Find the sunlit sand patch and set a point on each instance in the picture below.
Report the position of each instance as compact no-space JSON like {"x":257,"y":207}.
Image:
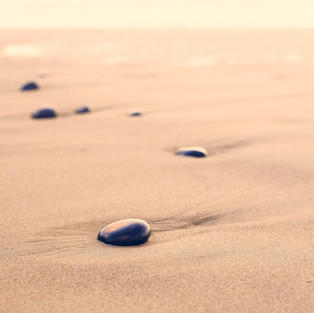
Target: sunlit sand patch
{"x":218,"y":59}
{"x":109,"y":53}
{"x":269,"y":58}
{"x":249,"y":60}
{"x":100,"y":51}
{"x":117,"y":61}
{"x":292,"y":58}
{"x":231,"y":62}
{"x":99,"y":48}
{"x":202,"y":62}
{"x":27,"y":50}
{"x":36,"y":49}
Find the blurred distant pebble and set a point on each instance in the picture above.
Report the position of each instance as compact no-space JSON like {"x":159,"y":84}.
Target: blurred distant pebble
{"x":197,"y":152}
{"x":128,"y":232}
{"x":44,"y":113}
{"x":29,"y":86}
{"x":135,"y":112}
{"x":42,"y":73}
{"x":82,"y":110}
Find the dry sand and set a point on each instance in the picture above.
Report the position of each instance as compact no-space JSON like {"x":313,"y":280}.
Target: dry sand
{"x":230,"y":233}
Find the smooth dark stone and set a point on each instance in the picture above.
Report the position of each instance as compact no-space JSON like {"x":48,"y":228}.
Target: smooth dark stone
{"x":129,"y":232}
{"x":82,"y":110}
{"x":44,"y":113}
{"x":197,"y":152}
{"x":29,"y":86}
{"x":135,"y":113}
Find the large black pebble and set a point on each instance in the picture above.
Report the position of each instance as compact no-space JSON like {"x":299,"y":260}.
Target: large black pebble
{"x":29,"y":86}
{"x":197,"y":152}
{"x":82,"y":110}
{"x":44,"y":113}
{"x":129,"y":232}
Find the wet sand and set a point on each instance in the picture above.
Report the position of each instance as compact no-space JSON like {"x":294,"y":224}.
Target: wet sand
{"x":232,"y":232}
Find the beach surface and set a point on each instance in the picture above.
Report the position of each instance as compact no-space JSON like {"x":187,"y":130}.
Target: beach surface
{"x":232,"y":232}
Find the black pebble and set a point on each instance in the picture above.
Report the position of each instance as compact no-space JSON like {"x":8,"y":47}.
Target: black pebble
{"x":82,"y":110}
{"x":44,"y":113}
{"x":197,"y":152}
{"x":29,"y":86}
{"x":135,"y":113}
{"x":129,"y":232}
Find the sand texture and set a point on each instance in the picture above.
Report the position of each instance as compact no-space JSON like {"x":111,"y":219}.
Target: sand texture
{"x":232,"y":232}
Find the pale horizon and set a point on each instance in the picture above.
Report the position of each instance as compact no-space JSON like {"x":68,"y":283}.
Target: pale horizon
{"x":156,"y":14}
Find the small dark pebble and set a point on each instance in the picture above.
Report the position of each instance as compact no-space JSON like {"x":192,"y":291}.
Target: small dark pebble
{"x":82,"y":110}
{"x":129,"y":232}
{"x":29,"y":86}
{"x":197,"y":152}
{"x":135,"y":113}
{"x":44,"y":113}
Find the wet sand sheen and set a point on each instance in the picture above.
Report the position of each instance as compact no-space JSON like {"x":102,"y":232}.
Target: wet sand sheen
{"x":231,"y":232}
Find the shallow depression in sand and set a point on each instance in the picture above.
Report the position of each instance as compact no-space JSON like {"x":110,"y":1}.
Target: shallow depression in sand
{"x":81,"y":238}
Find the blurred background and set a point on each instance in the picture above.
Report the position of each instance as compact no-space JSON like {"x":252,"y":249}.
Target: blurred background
{"x":188,"y":33}
{"x":156,"y":13}
{"x":151,"y":36}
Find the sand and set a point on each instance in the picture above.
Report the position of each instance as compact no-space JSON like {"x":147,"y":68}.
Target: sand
{"x":232,"y":232}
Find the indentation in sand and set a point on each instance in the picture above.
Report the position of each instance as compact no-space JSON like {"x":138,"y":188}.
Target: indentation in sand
{"x":221,"y":146}
{"x":78,"y":237}
{"x":187,"y":222}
